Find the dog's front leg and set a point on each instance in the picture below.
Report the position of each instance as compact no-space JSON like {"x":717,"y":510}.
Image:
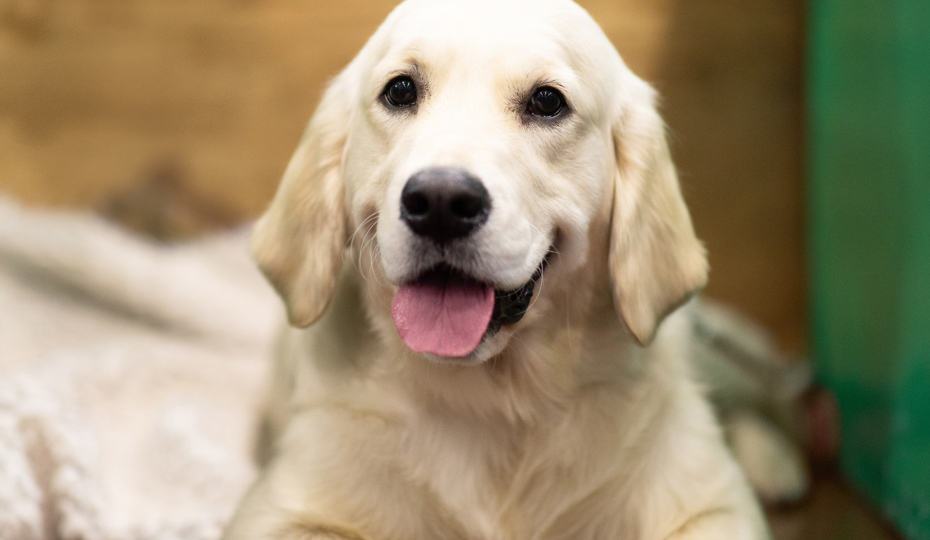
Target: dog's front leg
{"x":722,"y":524}
{"x":312,"y":529}
{"x":263,"y":516}
{"x":302,"y":529}
{"x":280,"y":507}
{"x":335,"y":476}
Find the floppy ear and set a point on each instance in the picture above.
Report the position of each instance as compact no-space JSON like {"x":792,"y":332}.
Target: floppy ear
{"x":299,"y":242}
{"x":656,"y":262}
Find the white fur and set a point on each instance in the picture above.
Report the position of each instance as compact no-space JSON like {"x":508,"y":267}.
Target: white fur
{"x":582,"y":421}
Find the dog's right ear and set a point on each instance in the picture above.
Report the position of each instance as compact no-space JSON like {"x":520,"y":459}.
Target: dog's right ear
{"x":299,"y":242}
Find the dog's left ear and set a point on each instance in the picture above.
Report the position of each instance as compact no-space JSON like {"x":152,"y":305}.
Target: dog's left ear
{"x":300,"y":240}
{"x":656,"y":261}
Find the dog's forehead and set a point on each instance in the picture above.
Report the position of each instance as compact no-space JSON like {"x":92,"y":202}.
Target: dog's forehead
{"x":552,"y":29}
{"x":490,"y":12}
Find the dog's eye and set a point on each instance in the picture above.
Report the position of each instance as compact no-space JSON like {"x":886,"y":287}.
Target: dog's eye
{"x":546,"y":101}
{"x":401,"y":92}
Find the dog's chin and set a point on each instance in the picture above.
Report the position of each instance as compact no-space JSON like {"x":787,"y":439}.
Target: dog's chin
{"x":492,"y":344}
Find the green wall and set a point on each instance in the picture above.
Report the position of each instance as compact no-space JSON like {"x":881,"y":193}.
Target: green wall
{"x":869,"y":197}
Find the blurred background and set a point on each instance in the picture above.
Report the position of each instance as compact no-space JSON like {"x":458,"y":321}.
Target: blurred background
{"x":799,"y":129}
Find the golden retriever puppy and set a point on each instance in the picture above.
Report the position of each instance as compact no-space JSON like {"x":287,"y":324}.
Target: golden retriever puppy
{"x":485,"y":230}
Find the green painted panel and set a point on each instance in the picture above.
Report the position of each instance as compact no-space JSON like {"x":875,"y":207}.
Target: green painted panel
{"x":869,"y":201}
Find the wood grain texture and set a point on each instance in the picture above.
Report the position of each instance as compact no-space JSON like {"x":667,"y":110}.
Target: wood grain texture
{"x":99,"y":96}
{"x":730,"y":75}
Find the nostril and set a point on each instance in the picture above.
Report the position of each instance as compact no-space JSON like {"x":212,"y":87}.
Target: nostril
{"x":467,"y":206}
{"x":416,"y":204}
{"x":443,"y":204}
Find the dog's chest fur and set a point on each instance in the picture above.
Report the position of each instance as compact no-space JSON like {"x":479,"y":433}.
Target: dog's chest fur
{"x":561,"y":474}
{"x":498,"y":481}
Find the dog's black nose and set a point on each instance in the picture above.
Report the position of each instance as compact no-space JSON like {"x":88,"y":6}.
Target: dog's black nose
{"x":444,"y":203}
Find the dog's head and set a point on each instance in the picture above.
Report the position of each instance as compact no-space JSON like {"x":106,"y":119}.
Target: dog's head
{"x":469,"y":149}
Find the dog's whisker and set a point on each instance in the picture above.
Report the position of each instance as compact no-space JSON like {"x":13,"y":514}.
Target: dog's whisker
{"x":370,"y":219}
{"x":366,"y":253}
{"x":542,"y":282}
{"x":369,"y":222}
{"x":371,"y":250}
{"x":375,"y":254}
{"x":366,"y":250}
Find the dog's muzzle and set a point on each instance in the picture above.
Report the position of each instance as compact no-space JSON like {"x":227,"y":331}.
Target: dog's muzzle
{"x":444,"y":311}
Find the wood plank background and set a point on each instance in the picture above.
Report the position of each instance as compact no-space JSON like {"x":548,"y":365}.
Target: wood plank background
{"x":97,"y":96}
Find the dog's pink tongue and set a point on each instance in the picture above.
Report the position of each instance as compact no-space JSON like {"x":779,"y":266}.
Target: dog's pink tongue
{"x":444,"y":317}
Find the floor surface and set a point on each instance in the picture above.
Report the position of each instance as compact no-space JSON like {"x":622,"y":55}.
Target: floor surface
{"x":833,"y":511}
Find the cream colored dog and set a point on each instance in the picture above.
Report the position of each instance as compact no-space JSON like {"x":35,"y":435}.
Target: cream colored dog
{"x":484,"y":227}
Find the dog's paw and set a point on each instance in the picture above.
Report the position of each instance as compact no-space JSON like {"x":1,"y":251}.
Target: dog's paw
{"x":773,"y":463}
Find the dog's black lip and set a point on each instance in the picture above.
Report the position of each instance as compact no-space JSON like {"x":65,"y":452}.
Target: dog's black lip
{"x":511,"y":306}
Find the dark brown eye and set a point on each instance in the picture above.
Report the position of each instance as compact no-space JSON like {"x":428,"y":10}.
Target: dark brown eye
{"x":401,"y":92}
{"x":546,"y":101}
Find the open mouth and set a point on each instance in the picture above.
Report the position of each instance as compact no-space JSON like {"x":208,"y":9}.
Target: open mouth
{"x":447,"y":313}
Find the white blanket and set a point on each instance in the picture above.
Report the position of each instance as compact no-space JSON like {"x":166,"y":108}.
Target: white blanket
{"x":129,"y":377}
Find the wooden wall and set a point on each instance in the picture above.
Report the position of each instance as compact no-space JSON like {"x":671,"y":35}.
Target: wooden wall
{"x":98,"y":96}
{"x":730,"y":72}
